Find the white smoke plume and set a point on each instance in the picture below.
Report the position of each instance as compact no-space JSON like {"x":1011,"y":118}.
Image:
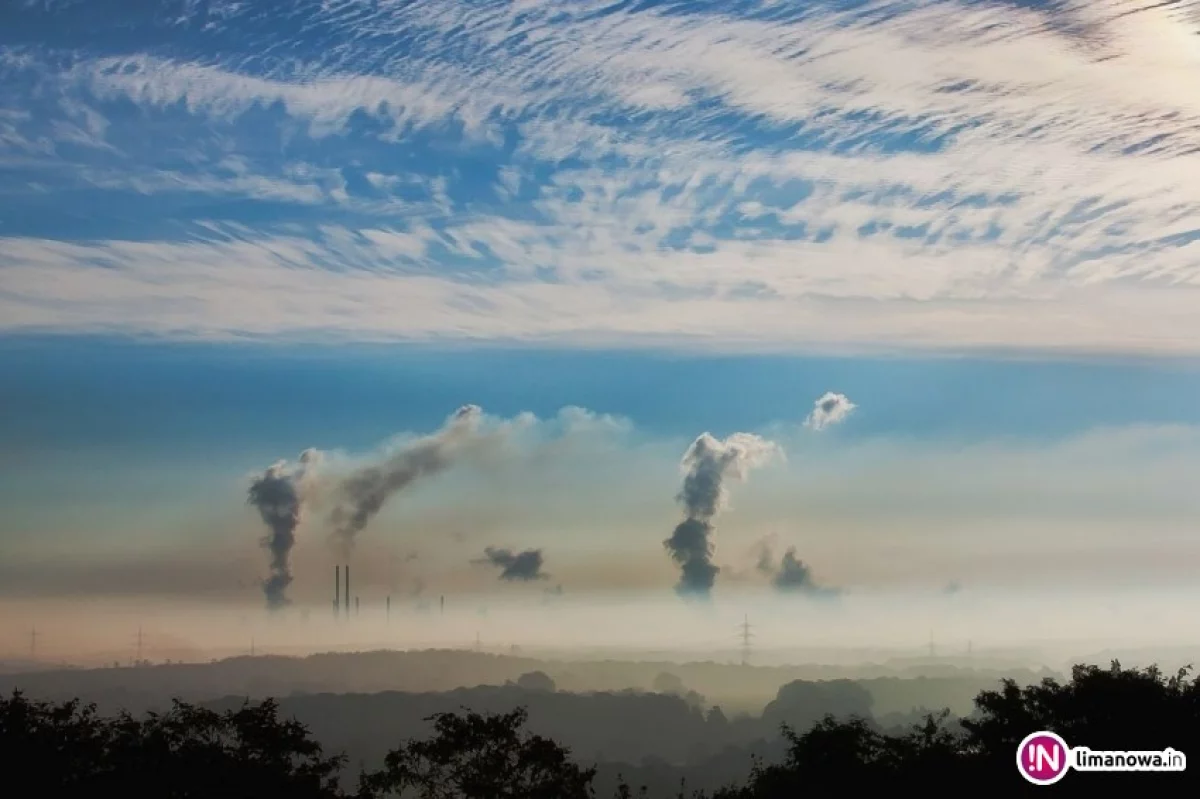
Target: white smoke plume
{"x":708,"y":464}
{"x":829,"y":410}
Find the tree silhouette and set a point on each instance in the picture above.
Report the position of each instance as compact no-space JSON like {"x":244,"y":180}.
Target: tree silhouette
{"x":851,"y":754}
{"x":536,"y":681}
{"x":1113,"y":709}
{"x":1103,"y":709}
{"x":186,"y":752}
{"x":481,"y":756}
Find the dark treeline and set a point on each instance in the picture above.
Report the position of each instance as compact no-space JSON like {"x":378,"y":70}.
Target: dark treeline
{"x":659,"y":738}
{"x":622,"y":726}
{"x":67,"y":749}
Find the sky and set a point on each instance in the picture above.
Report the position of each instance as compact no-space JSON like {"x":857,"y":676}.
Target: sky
{"x":230,"y":232}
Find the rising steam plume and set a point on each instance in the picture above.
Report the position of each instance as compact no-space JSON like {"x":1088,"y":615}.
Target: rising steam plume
{"x":828,"y":410}
{"x":791,"y":575}
{"x":708,"y":464}
{"x":516,"y":566}
{"x":363,"y":493}
{"x":279,"y":495}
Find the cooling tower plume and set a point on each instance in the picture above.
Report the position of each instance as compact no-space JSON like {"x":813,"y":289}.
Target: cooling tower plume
{"x":516,"y":566}
{"x":279,"y":494}
{"x":791,"y":575}
{"x":829,"y":410}
{"x":364,"y":492}
{"x":708,"y":465}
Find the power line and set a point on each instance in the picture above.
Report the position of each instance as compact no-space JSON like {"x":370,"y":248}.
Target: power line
{"x":745,"y":635}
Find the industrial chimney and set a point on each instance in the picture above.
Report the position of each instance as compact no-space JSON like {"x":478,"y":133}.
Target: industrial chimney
{"x":337,"y":590}
{"x":347,"y":590}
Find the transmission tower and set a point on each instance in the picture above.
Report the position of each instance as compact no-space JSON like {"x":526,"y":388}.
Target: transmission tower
{"x":745,"y":635}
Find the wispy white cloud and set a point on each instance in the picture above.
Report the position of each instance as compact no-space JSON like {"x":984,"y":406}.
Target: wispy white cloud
{"x":376,"y":285}
{"x":924,"y":175}
{"x":326,"y":101}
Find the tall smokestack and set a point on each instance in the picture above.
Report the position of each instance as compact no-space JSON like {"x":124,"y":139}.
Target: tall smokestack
{"x":355,"y":606}
{"x":388,"y":608}
{"x":443,"y":602}
{"x":347,"y":567}
{"x":337,"y":590}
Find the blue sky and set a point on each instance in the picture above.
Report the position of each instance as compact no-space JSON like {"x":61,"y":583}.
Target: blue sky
{"x":87,"y":396}
{"x":230,"y":231}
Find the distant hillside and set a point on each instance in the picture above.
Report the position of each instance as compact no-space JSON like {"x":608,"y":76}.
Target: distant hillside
{"x":737,"y":688}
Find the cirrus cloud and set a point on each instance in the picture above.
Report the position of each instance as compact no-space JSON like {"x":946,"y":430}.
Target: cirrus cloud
{"x":917,"y":175}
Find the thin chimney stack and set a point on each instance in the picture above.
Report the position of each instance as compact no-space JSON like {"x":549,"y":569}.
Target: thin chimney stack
{"x":337,"y":590}
{"x":347,"y":567}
